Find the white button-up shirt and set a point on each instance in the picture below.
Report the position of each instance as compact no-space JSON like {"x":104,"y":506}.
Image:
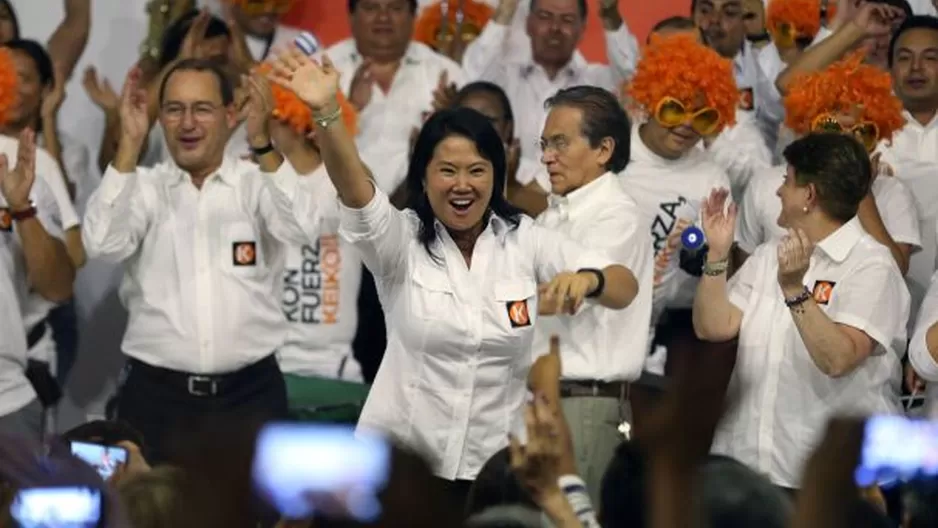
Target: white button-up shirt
{"x":761,"y":206}
{"x":741,"y":151}
{"x":490,"y":58}
{"x":453,"y":377}
{"x":664,"y":188}
{"x":786,"y":401}
{"x":62,"y":218}
{"x":15,"y":390}
{"x":202,"y":267}
{"x":921,"y":359}
{"x":600,"y":343}
{"x":320,"y":296}
{"x":384,"y":126}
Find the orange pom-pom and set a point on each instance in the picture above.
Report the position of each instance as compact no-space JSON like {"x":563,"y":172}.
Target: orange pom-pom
{"x":803,"y":15}
{"x":679,"y":66}
{"x":9,"y":85}
{"x":428,"y":24}
{"x":845,"y":87}
{"x":289,"y":109}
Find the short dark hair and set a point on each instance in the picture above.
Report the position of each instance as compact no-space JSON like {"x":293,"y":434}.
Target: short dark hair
{"x":485,"y":87}
{"x":202,"y":65}
{"x":733,"y":495}
{"x":496,"y":485}
{"x":39,"y":56}
{"x":603,"y":117}
{"x":470,"y":124}
{"x":13,"y":17}
{"x":673,"y":22}
{"x":838,"y":166}
{"x":352,"y":4}
{"x":581,"y":5}
{"x":920,"y":503}
{"x":171,"y":45}
{"x":622,"y":499}
{"x":910,"y":23}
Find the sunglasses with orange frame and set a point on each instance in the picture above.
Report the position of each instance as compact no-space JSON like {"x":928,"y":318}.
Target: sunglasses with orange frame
{"x":671,"y":113}
{"x":865,"y":131}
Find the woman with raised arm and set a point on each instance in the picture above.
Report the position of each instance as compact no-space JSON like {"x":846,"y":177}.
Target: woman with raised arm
{"x":458,"y":275}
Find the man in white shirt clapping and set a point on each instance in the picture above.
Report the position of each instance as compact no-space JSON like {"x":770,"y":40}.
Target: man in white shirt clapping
{"x":203,"y":240}
{"x":585,"y":143}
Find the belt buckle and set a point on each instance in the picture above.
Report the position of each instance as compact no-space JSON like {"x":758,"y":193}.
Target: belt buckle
{"x":202,"y":386}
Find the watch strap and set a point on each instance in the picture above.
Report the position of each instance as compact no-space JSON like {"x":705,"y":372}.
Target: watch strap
{"x":24,"y":214}
{"x":266,"y":149}
{"x":799,"y":299}
{"x":600,"y":281}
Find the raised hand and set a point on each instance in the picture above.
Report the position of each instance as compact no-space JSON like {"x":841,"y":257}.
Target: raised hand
{"x":794,"y":258}
{"x":537,"y":463}
{"x":315,"y":84}
{"x":191,"y":47}
{"x":877,"y":19}
{"x":256,"y":109}
{"x":363,"y":83}
{"x":719,"y":223}
{"x":566,"y":292}
{"x":53,"y":100}
{"x":445,"y":92}
{"x":100,"y":91}
{"x":17,"y":183}
{"x":135,"y":118}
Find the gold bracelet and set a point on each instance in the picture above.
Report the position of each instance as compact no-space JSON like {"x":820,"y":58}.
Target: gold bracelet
{"x":325,"y":120}
{"x":716,"y":268}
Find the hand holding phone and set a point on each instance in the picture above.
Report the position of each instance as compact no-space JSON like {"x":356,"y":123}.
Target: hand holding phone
{"x":103,"y":458}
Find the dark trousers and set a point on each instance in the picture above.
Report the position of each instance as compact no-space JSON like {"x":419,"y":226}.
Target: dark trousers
{"x":171,"y":410}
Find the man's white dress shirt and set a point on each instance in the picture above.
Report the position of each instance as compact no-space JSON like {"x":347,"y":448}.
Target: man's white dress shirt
{"x":599,"y":343}
{"x":15,"y":390}
{"x":61,"y":219}
{"x":741,"y":151}
{"x":921,"y":359}
{"x":203,"y":268}
{"x":384,"y":126}
{"x":320,"y":296}
{"x":453,"y":379}
{"x":758,"y":215}
{"x":490,"y":58}
{"x":786,"y":401}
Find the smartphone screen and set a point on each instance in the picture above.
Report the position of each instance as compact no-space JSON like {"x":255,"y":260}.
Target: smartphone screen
{"x":896,"y":449}
{"x":105,"y":459}
{"x":58,"y":507}
{"x":295,"y":463}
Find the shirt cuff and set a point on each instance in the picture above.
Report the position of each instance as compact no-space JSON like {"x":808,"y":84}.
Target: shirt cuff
{"x":117,"y":186}
{"x":492,"y":34}
{"x":574,"y":489}
{"x":921,"y":359}
{"x":361,"y":224}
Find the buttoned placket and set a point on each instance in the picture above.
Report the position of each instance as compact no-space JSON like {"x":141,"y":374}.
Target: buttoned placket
{"x":203,"y":258}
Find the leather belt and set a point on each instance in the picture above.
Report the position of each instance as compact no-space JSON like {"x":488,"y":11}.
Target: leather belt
{"x":594,"y":389}
{"x":205,"y":385}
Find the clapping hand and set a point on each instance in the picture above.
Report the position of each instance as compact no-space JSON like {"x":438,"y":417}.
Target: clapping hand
{"x":566,"y":293}
{"x":17,"y":183}
{"x":445,"y":93}
{"x":794,"y":258}
{"x":100,"y":91}
{"x":877,"y":19}
{"x":135,"y":119}
{"x":719,"y":223}
{"x":315,"y":84}
{"x":256,"y":109}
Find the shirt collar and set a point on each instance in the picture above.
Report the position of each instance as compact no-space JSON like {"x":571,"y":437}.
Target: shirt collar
{"x":583,"y":198}
{"x":225,"y":173}
{"x":413,"y":54}
{"x":572,"y":71}
{"x":838,"y":244}
{"x":496,"y":224}
{"x":910,"y":120}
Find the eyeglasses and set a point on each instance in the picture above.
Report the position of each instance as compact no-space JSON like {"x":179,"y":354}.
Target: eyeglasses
{"x":201,"y":112}
{"x":865,"y":131}
{"x":558,"y":145}
{"x":671,"y":113}
{"x":262,"y":7}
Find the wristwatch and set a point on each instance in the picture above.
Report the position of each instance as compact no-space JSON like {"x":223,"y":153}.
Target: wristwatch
{"x":600,"y":281}
{"x":266,"y":149}
{"x":24,"y":214}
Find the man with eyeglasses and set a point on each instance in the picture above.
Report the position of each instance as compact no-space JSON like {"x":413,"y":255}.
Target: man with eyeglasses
{"x":202,"y":238}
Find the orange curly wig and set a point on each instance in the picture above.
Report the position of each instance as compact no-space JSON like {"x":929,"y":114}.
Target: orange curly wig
{"x":9,"y":85}
{"x":427,"y":26}
{"x":844,"y":87}
{"x":679,"y":66}
{"x":803,"y":15}
{"x":289,"y":109}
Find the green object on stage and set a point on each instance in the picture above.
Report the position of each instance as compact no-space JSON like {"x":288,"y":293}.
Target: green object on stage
{"x":313,"y":399}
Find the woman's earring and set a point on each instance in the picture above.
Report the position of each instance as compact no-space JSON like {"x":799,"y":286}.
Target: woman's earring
{"x":804,"y":209}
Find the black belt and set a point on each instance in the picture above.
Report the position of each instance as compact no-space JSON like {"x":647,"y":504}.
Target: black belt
{"x":204,"y":385}
{"x":35,"y":334}
{"x":593,"y":388}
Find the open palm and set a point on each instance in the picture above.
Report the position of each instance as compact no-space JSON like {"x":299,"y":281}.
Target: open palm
{"x":315,"y":84}
{"x":719,"y":221}
{"x":17,"y":183}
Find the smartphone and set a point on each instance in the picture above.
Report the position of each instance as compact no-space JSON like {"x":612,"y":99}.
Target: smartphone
{"x":56,"y":507}
{"x":296,"y":463}
{"x":103,"y":458}
{"x":897,"y":449}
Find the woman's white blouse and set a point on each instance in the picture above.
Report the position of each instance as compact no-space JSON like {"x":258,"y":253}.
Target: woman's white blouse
{"x":452,"y":381}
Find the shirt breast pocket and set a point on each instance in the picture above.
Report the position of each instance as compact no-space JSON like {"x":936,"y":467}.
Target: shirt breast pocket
{"x":433,"y":297}
{"x":241,"y":251}
{"x":516,"y":304}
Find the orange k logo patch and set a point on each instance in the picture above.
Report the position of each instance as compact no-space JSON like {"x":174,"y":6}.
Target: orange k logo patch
{"x":6,"y":221}
{"x":518,"y":313}
{"x":823,"y":291}
{"x":244,"y":254}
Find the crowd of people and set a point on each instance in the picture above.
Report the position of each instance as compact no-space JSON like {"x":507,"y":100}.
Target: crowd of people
{"x":683,"y":288}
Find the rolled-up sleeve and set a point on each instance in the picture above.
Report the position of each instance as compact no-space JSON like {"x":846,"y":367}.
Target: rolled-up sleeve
{"x":922,"y":360}
{"x":622,"y":52}
{"x":116,"y":218}
{"x":381,"y":233}
{"x":483,"y":57}
{"x":287,"y":204}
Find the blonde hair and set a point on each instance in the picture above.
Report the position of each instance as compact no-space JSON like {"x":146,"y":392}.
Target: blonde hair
{"x":152,"y":499}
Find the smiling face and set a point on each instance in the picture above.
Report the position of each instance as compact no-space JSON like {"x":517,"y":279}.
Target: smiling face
{"x":459,"y":184}
{"x":30,"y":90}
{"x":794,"y":199}
{"x":721,"y":22}
{"x":915,"y":68}
{"x":195,"y":119}
{"x":555,"y":28}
